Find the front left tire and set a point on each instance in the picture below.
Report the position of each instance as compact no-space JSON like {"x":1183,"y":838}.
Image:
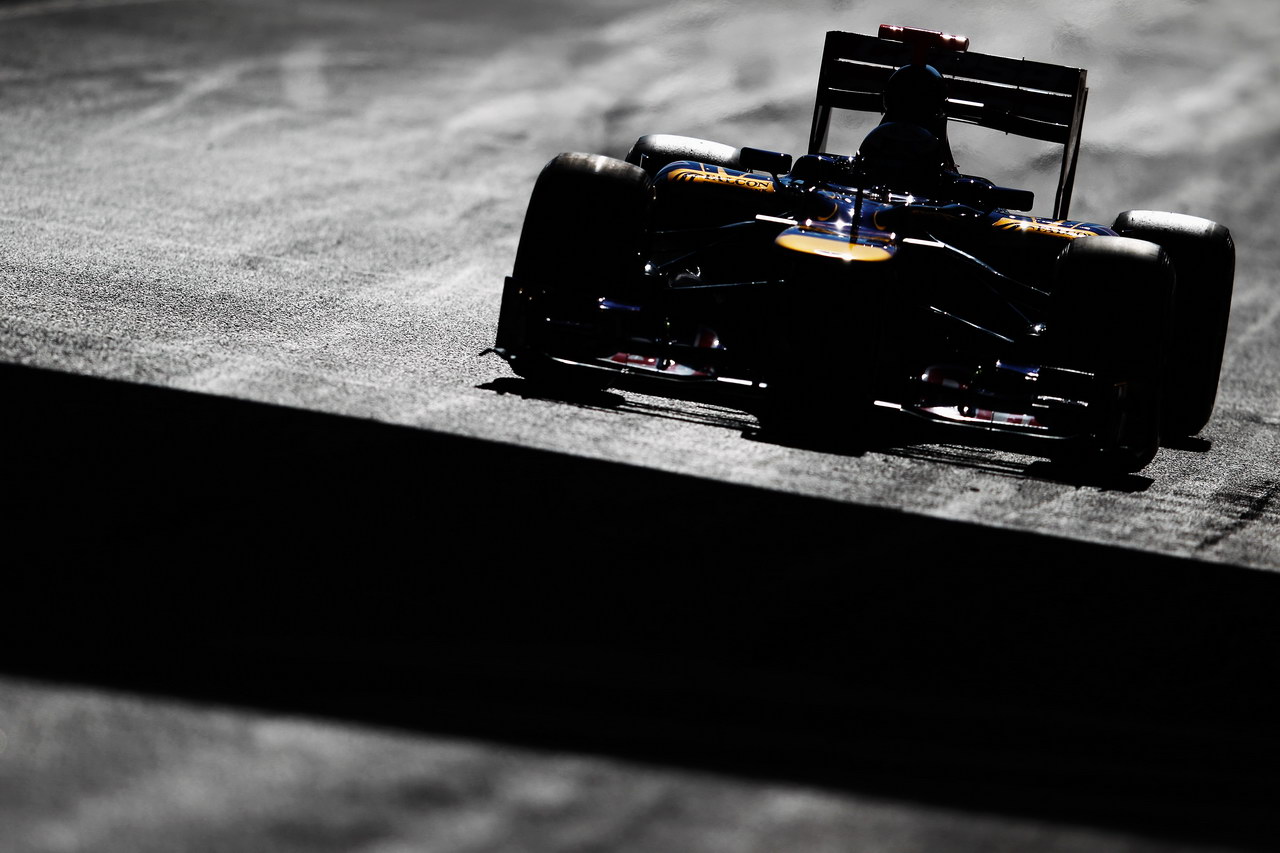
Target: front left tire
{"x":582,"y":238}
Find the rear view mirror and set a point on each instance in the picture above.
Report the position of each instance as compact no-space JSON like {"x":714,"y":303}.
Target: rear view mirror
{"x":770,"y":162}
{"x":1012,"y":199}
{"x":982,"y":194}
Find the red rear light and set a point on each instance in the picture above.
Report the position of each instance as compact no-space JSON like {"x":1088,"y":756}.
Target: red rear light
{"x":921,"y":40}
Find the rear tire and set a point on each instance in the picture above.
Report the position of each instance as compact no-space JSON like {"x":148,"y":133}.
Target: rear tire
{"x":1203,"y":256}
{"x":1111,"y":305}
{"x":582,"y":238}
{"x":656,"y":150}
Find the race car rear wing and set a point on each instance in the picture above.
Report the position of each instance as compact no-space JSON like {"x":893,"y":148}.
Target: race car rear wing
{"x":1018,"y":96}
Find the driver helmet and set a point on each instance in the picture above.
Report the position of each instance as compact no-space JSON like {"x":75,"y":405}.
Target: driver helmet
{"x":916,"y":93}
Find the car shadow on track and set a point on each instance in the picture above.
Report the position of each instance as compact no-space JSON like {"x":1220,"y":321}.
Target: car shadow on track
{"x":992,"y":458}
{"x":883,"y":433}
{"x":713,"y":412}
{"x":1190,"y":444}
{"x":585,"y":397}
{"x":233,"y":552}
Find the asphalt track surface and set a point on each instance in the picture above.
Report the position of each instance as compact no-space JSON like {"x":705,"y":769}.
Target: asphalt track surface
{"x":295,"y":567}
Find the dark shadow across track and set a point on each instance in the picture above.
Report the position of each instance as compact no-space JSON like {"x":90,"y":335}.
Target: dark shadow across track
{"x":235,"y":552}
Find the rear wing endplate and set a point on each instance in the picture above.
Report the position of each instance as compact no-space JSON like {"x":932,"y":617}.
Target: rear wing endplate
{"x":1030,"y":99}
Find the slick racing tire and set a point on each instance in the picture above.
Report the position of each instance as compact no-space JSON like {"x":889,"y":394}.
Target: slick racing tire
{"x":582,"y":238}
{"x":1204,"y":260}
{"x":656,"y":150}
{"x":1111,"y":302}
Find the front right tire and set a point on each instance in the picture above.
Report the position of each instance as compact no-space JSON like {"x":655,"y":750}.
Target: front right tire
{"x":1203,"y":257}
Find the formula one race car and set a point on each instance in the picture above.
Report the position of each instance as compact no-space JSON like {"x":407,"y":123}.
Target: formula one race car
{"x":830,"y":287}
